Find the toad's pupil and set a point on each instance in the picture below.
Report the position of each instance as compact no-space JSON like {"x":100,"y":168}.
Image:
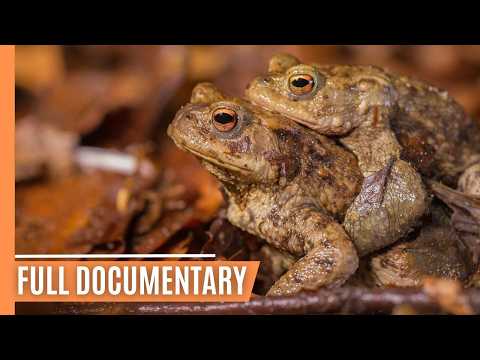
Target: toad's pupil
{"x":224,"y":118}
{"x":300,"y":82}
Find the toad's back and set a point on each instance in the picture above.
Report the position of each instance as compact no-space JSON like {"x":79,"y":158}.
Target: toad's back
{"x":436,"y":135}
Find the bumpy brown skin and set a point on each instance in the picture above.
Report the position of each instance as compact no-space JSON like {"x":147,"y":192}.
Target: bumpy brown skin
{"x":432,"y":128}
{"x":378,"y":116}
{"x":434,"y":252}
{"x":284,"y":183}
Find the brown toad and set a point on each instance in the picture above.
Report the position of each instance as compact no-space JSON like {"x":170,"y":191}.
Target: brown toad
{"x":378,"y":116}
{"x":283,"y":182}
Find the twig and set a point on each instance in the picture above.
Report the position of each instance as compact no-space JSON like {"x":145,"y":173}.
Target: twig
{"x":346,"y":300}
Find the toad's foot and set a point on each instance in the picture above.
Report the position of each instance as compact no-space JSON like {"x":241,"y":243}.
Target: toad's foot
{"x":465,"y":218}
{"x":433,"y":253}
{"x":389,"y":204}
{"x":329,"y":256}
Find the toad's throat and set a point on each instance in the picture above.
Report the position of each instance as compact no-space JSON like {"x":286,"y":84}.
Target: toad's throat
{"x":217,"y":162}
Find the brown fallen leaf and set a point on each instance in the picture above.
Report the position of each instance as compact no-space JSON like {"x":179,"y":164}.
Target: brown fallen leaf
{"x":179,"y":201}
{"x":152,"y":234}
{"x":117,"y":105}
{"x":79,"y":103}
{"x":71,"y":214}
{"x":229,"y":242}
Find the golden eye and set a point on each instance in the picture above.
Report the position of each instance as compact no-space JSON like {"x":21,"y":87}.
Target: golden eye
{"x":301,"y":84}
{"x":224,"y":119}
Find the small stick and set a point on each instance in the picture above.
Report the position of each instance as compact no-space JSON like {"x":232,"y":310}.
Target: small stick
{"x":345,"y":300}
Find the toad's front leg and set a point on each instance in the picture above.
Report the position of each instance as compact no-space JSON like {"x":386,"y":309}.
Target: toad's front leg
{"x":393,"y":197}
{"x":327,"y":256}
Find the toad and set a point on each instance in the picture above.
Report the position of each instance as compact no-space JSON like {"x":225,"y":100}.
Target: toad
{"x":381,"y":117}
{"x":283,"y":182}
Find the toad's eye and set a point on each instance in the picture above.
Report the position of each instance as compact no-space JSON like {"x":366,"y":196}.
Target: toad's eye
{"x":301,"y":84}
{"x":224,"y":119}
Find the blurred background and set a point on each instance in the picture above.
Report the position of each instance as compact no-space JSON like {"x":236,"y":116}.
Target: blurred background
{"x":115,"y":103}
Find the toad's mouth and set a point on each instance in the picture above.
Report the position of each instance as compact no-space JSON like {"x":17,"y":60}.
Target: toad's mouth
{"x":217,"y":162}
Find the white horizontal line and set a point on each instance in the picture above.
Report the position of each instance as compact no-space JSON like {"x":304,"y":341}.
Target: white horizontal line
{"x":113,"y":256}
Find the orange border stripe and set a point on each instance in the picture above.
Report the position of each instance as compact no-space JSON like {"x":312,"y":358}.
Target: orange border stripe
{"x":7,"y":179}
